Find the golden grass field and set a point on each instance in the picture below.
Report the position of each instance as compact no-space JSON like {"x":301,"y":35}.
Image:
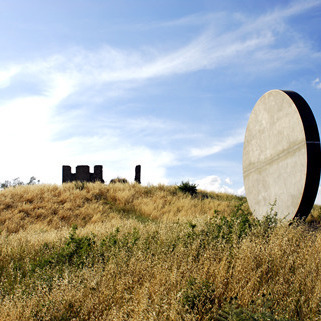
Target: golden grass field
{"x":128,"y":252}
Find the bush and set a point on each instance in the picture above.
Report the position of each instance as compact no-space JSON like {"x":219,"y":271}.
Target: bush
{"x":188,"y":188}
{"x":118,"y":180}
{"x":198,"y":297}
{"x":75,"y":252}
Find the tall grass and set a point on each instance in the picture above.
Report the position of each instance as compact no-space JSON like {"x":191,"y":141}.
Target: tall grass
{"x":128,"y":252}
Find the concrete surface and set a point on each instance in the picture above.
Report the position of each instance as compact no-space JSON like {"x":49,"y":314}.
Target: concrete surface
{"x":281,"y":156}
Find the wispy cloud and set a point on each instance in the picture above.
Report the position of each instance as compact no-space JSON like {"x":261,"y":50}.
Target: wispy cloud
{"x":316,"y":83}
{"x":221,"y":145}
{"x":295,"y":8}
{"x":255,"y":43}
{"x":113,"y":63}
{"x":86,"y":77}
{"x":6,"y":75}
{"x":193,"y":19}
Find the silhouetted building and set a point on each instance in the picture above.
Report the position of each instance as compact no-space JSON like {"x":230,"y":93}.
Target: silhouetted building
{"x":82,"y":174}
{"x":138,"y":169}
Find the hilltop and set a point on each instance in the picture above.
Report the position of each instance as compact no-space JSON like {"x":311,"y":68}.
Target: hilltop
{"x":130,"y":252}
{"x":52,"y":207}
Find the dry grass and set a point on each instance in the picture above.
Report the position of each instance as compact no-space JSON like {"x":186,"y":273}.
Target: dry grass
{"x":54,"y":207}
{"x":151,"y":253}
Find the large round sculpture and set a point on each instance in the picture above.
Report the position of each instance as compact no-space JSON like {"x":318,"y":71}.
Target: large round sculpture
{"x":281,"y":156}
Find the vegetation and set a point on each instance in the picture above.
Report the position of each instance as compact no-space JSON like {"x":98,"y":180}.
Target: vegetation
{"x":128,"y":252}
{"x":17,"y":182}
{"x":187,"y":187}
{"x":118,"y":180}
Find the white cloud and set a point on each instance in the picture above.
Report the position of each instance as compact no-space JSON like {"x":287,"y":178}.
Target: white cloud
{"x":262,"y":39}
{"x":221,"y":145}
{"x":240,"y":191}
{"x":258,"y":38}
{"x":117,"y":160}
{"x":316,"y":83}
{"x":29,"y":154}
{"x":6,"y":75}
{"x":214,"y":183}
{"x":228,"y":181}
{"x":28,"y":122}
{"x":249,"y":44}
{"x":193,"y":19}
{"x":295,"y":8}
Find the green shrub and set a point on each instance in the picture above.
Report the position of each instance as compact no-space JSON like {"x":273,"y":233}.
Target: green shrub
{"x":118,"y":180}
{"x":234,"y":312}
{"x":198,"y":297}
{"x":75,"y":252}
{"x":188,"y":188}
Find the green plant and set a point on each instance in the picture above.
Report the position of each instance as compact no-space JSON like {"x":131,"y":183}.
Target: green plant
{"x":188,"y":188}
{"x":118,"y":180}
{"x":198,"y":297}
{"x":75,"y":252}
{"x":270,"y":220}
{"x":80,"y":185}
{"x":229,"y":228}
{"x":235,"y":312}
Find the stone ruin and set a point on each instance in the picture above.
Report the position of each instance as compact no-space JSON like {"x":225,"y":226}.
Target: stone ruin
{"x":83,"y":174}
{"x":137,"y":174}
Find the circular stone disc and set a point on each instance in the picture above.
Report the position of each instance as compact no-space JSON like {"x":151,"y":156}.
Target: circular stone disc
{"x":281,"y":156}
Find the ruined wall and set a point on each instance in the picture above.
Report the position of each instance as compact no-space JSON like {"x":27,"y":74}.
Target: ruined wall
{"x":138,"y":174}
{"x":82,"y":174}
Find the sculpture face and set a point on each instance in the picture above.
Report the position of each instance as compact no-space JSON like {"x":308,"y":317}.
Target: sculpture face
{"x":281,"y":156}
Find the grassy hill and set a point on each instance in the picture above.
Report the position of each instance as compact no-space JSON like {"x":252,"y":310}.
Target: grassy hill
{"x":128,"y":252}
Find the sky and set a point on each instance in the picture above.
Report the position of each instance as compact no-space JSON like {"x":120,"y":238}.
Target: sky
{"x":167,"y":84}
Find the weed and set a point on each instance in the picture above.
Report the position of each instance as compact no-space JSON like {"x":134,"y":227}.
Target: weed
{"x":75,"y":252}
{"x":235,"y":312}
{"x":270,"y":220}
{"x":90,"y":254}
{"x":80,"y":185}
{"x":198,"y":297}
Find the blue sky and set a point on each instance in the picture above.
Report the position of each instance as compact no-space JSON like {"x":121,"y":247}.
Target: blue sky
{"x":165,"y":84}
